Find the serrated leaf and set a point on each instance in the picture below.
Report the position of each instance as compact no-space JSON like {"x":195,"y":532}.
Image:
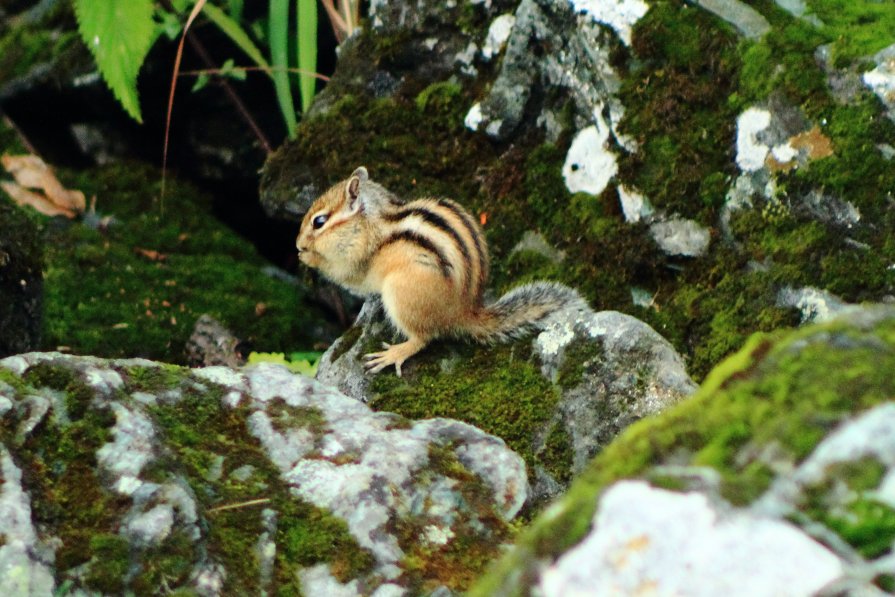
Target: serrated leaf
{"x":119,"y":35}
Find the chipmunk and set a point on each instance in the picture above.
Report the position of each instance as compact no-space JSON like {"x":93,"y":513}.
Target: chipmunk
{"x":428,"y":261}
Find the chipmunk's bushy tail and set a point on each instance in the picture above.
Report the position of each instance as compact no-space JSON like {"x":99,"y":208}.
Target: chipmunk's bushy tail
{"x":522,"y":311}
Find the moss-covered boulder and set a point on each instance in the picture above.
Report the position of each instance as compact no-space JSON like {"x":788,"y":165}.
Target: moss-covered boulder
{"x":698,"y":168}
{"x":21,"y":282}
{"x":775,"y":478}
{"x":127,"y":476}
{"x":557,"y":398}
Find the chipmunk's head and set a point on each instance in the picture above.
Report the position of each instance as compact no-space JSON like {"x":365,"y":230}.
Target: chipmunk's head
{"x":335,"y":235}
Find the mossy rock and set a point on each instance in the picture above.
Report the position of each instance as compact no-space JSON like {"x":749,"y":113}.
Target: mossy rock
{"x":790,"y":426}
{"x":682,"y":82}
{"x":556,"y":398}
{"x":135,"y":474}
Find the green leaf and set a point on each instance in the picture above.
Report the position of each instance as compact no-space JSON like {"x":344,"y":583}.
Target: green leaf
{"x":119,"y":35}
{"x":307,"y":51}
{"x":201,"y":82}
{"x":279,"y":51}
{"x":237,"y":34}
{"x":235,"y":7}
{"x":228,"y":69}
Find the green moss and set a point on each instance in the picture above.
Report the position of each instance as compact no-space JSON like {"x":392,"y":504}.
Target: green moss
{"x":109,"y":566}
{"x":557,"y":454}
{"x":858,"y":28}
{"x":468,"y":549}
{"x":58,"y":462}
{"x":345,"y":342}
{"x":784,"y":391}
{"x":676,"y":107}
{"x":200,"y":430}
{"x":153,"y":380}
{"x":499,"y":390}
{"x":576,"y":357}
{"x":167,"y":564}
{"x":146,"y":305}
{"x":78,"y":394}
{"x":438,"y":97}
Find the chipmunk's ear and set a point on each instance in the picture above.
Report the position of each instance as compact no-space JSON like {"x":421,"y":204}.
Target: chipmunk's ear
{"x":352,"y":189}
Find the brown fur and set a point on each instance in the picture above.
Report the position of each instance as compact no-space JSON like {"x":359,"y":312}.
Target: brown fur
{"x":428,"y":261}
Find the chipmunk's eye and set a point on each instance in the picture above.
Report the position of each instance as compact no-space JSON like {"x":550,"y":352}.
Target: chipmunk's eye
{"x":320,"y":220}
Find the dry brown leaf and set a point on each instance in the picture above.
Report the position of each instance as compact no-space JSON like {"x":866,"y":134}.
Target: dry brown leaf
{"x":32,"y":172}
{"x":150,"y":254}
{"x":23,"y":196}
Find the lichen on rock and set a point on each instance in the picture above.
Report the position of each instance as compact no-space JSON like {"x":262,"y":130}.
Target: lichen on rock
{"x":139,"y":473}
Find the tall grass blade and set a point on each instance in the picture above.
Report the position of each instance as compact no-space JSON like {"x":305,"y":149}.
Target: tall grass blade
{"x":307,"y":51}
{"x":237,"y":34}
{"x":279,"y":52}
{"x":236,"y":7}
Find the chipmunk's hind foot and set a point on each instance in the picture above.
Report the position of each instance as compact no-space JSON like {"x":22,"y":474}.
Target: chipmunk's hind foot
{"x":394,"y":354}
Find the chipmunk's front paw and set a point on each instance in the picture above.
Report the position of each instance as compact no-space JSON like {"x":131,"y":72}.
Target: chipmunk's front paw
{"x":394,"y":354}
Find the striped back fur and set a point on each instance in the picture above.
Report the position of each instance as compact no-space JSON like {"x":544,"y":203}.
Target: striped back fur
{"x":447,"y":232}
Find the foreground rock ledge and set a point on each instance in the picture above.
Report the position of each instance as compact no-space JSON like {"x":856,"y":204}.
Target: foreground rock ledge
{"x":776,"y":478}
{"x":124,"y":476}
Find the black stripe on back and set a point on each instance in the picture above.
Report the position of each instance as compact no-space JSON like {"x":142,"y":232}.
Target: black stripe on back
{"x":423,"y":243}
{"x":474,"y":234}
{"x":436,"y":221}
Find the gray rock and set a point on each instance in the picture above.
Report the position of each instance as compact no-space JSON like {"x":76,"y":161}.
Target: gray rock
{"x":679,"y":236}
{"x":611,"y":369}
{"x":548,"y":47}
{"x":882,"y":78}
{"x":748,"y":21}
{"x":374,"y":471}
{"x":688,"y":544}
{"x":777,"y":478}
{"x":536,"y":243}
{"x":815,"y":305}
{"x":25,"y":564}
{"x":628,"y":372}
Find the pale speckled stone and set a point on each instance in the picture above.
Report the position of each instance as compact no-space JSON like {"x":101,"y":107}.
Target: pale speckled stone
{"x":751,"y":153}
{"x":649,"y":540}
{"x":318,"y":580}
{"x":103,"y":380}
{"x":474,"y":117}
{"x":132,"y":445}
{"x":679,"y":236}
{"x":498,"y":33}
{"x":21,"y":570}
{"x":621,"y":15}
{"x":16,"y":364}
{"x":223,"y":376}
{"x":153,"y":526}
{"x":869,"y":435}
{"x":590,"y":165}
{"x":815,"y":305}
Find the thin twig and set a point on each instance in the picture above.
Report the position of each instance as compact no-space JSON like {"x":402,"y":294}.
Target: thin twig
{"x":231,"y":93}
{"x":223,"y":71}
{"x":196,"y":9}
{"x":340,"y":27}
{"x":247,"y":504}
